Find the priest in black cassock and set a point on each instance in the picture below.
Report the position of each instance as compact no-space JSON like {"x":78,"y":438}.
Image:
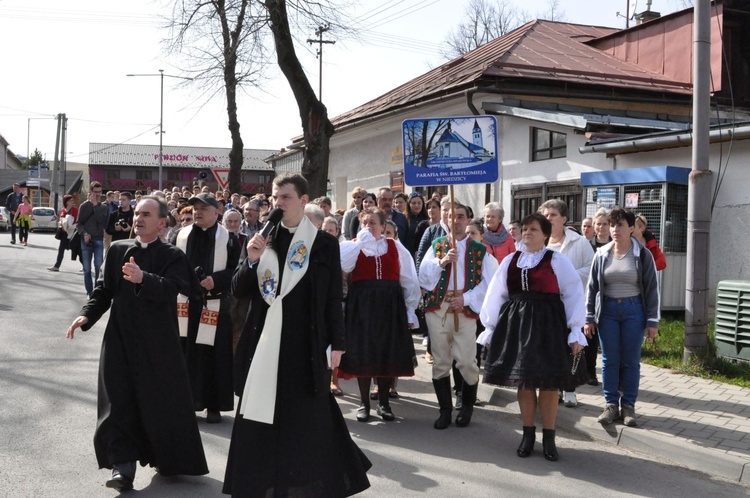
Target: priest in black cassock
{"x":145,"y":408}
{"x":289,"y":437}
{"x":213,"y":256}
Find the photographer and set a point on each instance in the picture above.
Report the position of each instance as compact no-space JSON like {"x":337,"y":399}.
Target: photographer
{"x":121,"y":220}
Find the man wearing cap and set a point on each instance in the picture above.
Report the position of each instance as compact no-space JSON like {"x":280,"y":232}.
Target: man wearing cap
{"x":207,"y":338}
{"x":12,"y":203}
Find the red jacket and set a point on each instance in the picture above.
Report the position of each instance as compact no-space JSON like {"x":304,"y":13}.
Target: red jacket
{"x":653,"y":246}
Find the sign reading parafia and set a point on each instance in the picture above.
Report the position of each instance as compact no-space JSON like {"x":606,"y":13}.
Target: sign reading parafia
{"x":450,"y":151}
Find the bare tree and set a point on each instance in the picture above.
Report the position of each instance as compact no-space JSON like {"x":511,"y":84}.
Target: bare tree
{"x":222,"y":45}
{"x":485,"y":20}
{"x":225,"y":47}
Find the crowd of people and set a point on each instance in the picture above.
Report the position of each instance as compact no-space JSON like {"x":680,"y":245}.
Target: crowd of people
{"x":278,"y":316}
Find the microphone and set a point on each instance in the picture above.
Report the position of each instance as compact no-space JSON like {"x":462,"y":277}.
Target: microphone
{"x":200,"y":272}
{"x":274,"y":217}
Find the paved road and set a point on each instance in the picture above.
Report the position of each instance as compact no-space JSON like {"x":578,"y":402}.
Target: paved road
{"x":48,"y":416}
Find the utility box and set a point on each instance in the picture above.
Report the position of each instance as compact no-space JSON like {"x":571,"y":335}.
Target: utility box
{"x":732,"y":333}
{"x":661,"y":194}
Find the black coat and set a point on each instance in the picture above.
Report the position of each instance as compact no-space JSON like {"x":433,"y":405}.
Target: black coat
{"x":210,"y":367}
{"x":145,"y":408}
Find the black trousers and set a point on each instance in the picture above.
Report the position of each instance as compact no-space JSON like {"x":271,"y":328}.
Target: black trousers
{"x":12,"y":227}
{"x":61,"y":252}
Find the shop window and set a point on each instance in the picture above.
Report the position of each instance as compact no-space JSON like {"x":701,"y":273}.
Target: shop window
{"x":546,"y":144}
{"x":142,"y":174}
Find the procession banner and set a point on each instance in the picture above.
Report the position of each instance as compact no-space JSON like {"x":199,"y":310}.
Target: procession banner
{"x":450,"y":150}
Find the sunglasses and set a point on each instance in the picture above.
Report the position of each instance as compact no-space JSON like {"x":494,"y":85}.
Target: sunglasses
{"x":415,"y":194}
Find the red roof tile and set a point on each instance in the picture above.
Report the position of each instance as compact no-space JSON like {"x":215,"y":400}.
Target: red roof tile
{"x":538,"y":50}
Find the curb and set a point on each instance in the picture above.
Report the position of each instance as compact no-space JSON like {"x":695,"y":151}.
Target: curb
{"x":670,"y":448}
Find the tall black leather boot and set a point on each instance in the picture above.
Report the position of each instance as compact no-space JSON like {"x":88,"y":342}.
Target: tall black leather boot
{"x":467,"y":409}
{"x":549,"y":446}
{"x":445,"y":401}
{"x":527,"y":441}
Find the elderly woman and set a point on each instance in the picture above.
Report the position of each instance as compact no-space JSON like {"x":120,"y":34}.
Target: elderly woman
{"x":622,"y":302}
{"x":580,"y":253}
{"x":497,"y":239}
{"x":533,"y":313}
{"x":379,"y":312}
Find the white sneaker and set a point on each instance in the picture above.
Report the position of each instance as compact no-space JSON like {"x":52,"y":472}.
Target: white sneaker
{"x":569,"y":400}
{"x":424,"y":341}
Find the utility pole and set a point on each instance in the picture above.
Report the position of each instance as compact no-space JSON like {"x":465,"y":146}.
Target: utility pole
{"x":320,"y":41}
{"x":699,"y":190}
{"x":56,"y":166}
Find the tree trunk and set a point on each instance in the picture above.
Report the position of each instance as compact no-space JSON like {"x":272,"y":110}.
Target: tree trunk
{"x":317,"y":129}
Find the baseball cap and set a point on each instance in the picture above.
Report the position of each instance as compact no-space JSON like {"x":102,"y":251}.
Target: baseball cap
{"x":205,"y":199}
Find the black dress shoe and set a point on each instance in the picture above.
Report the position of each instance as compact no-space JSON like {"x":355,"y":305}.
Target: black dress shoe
{"x":548,"y":445}
{"x":363,"y":413}
{"x":386,"y":413}
{"x":213,"y":417}
{"x":593,"y":381}
{"x":527,"y":442}
{"x":121,"y":480}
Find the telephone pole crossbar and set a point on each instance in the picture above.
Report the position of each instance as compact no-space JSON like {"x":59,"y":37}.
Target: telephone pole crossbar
{"x":320,"y":41}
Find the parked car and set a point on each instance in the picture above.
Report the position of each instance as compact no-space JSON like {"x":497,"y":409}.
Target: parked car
{"x":4,"y":219}
{"x":43,"y":218}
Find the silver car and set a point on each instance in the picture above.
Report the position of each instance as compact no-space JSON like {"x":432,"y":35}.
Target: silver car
{"x":4,"y":219}
{"x":43,"y":218}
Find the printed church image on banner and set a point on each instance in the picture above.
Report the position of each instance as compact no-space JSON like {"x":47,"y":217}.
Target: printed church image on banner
{"x":451,"y":145}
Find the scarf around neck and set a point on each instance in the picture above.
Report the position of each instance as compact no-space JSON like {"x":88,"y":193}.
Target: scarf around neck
{"x":495,"y":238}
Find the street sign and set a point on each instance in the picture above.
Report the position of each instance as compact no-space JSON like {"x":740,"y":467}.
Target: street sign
{"x":222,"y":177}
{"x":32,"y":182}
{"x":450,"y":150}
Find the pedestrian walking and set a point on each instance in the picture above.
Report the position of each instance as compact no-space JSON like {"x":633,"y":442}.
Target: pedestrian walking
{"x":145,"y":409}
{"x":67,"y":225}
{"x":12,"y":202}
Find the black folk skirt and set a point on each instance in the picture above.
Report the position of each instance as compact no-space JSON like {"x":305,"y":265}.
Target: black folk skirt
{"x":529,"y":348}
{"x":378,"y":341}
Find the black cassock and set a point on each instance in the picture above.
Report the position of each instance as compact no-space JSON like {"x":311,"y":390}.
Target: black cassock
{"x":307,"y":451}
{"x":210,"y":367}
{"x":145,"y":407}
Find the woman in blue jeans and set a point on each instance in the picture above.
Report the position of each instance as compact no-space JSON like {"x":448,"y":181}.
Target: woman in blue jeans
{"x":622,"y":301}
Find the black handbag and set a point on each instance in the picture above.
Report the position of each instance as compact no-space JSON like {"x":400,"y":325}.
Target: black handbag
{"x":61,"y":234}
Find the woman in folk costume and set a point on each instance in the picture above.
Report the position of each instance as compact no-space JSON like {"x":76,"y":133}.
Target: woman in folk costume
{"x":289,"y":437}
{"x":379,"y":311}
{"x":533,"y":313}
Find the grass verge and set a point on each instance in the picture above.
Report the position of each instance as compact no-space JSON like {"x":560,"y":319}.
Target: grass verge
{"x":668,"y":353}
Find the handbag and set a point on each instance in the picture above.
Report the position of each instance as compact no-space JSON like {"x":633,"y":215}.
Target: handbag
{"x":61,"y":234}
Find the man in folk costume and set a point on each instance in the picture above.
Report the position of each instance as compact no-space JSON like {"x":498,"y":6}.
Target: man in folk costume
{"x":447,"y":305}
{"x":289,"y":437}
{"x":145,"y":408}
{"x":208,"y":335}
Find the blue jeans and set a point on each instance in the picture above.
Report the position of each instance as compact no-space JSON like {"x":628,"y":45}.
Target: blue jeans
{"x":97,"y":251}
{"x":622,"y":326}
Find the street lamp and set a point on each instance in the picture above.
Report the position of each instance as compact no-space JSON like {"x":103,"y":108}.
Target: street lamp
{"x":161,"y":75}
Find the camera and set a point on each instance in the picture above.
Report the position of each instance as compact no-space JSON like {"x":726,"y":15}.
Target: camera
{"x":122,"y":224}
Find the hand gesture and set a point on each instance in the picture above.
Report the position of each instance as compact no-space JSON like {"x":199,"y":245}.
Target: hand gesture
{"x":132,"y":272}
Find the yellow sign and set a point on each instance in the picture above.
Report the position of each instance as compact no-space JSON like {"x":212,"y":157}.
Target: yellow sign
{"x":397,"y":156}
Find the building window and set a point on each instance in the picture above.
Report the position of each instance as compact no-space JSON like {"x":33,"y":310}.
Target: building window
{"x":546,"y":144}
{"x":174,"y":175}
{"x":142,"y":174}
{"x":111,"y":174}
{"x":264,"y":178}
{"x":528,"y":198}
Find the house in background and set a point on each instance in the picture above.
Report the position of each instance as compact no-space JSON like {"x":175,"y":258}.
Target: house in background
{"x":8,"y":160}
{"x":136,"y":167}
{"x":561,"y":92}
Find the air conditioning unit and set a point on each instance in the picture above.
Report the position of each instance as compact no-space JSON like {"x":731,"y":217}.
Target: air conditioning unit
{"x":732,"y":335}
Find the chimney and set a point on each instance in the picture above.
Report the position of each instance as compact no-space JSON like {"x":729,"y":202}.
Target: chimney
{"x":647,"y":15}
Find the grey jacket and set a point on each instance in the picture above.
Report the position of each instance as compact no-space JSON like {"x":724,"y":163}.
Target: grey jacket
{"x":92,"y":220}
{"x":644,"y":264}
